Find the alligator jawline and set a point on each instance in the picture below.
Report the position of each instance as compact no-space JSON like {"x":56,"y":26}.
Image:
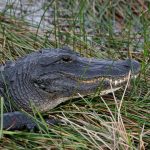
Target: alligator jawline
{"x":102,"y":92}
{"x":115,"y":82}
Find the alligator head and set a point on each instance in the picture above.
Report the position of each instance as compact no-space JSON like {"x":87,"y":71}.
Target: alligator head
{"x":51,"y":76}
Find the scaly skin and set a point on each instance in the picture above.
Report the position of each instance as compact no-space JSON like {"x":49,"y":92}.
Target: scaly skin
{"x":46,"y":78}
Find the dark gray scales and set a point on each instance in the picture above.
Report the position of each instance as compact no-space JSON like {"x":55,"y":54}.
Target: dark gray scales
{"x":46,"y":78}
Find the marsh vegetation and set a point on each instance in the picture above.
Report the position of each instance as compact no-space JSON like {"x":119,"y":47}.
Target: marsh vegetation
{"x":101,"y":29}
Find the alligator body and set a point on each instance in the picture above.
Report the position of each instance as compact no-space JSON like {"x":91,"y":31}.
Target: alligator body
{"x":46,"y":78}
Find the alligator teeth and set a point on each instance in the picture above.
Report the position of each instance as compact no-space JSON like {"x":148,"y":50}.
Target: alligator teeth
{"x":110,"y":80}
{"x":119,"y":81}
{"x":135,"y":76}
{"x":88,"y":81}
{"x":116,"y":82}
{"x":99,"y":79}
{"x":91,"y":81}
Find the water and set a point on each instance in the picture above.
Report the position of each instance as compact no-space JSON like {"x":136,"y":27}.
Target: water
{"x":30,"y":10}
{"x":34,"y":10}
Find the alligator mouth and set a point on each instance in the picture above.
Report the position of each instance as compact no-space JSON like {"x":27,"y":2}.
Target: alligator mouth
{"x":109,"y":84}
{"x":113,"y":81}
{"x":117,"y":82}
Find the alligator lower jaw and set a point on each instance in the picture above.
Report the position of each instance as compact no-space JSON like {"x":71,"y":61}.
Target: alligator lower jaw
{"x":104,"y":92}
{"x":78,"y":95}
{"x":115,"y":82}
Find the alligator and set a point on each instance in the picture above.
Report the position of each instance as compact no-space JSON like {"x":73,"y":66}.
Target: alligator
{"x":48,"y":77}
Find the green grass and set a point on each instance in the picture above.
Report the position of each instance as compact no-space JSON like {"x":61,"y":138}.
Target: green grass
{"x":118,"y":121}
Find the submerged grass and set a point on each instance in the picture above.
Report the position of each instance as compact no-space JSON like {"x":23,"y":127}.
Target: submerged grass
{"x":115,"y":30}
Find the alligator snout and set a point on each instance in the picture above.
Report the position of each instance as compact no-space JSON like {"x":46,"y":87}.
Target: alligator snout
{"x":132,"y":65}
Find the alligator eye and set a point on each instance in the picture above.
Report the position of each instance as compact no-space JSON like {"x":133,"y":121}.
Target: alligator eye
{"x":66,"y":59}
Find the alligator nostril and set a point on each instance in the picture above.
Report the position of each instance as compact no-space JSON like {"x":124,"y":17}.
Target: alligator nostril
{"x":128,"y":63}
{"x":133,"y":65}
